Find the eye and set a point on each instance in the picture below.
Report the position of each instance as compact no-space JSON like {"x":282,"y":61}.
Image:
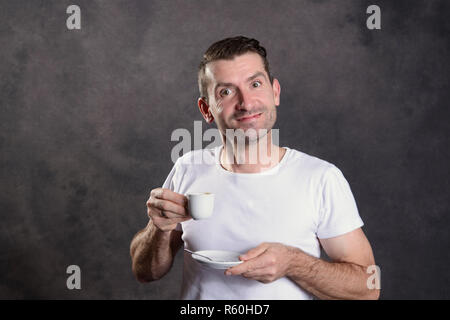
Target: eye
{"x":225,"y":92}
{"x":256,"y":84}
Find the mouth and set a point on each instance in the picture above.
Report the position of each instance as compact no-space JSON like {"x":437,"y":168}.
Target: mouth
{"x":249,"y":118}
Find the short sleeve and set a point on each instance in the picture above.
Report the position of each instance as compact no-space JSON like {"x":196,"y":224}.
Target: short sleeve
{"x":171,"y":183}
{"x":338,"y":211}
{"x":170,"y":180}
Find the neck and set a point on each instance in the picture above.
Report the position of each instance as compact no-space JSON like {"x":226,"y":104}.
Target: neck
{"x":252,"y":156}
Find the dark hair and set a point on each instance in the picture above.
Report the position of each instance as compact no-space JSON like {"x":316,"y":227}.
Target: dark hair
{"x":227,"y":49}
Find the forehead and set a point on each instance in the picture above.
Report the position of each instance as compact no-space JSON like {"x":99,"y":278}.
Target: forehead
{"x":234,"y":70}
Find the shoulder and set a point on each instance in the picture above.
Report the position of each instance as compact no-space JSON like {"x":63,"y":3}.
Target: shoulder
{"x":314,"y":169}
{"x":196,"y":157}
{"x":308,"y":163}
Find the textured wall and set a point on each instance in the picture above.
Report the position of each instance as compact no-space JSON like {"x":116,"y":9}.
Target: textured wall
{"x":86,"y":118}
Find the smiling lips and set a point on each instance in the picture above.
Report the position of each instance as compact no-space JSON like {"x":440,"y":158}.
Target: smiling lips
{"x":249,"y":118}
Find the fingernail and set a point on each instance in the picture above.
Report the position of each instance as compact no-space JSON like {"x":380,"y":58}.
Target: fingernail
{"x":228,"y":273}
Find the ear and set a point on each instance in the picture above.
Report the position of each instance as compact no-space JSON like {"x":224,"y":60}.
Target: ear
{"x":276,"y":91}
{"x":204,"y":109}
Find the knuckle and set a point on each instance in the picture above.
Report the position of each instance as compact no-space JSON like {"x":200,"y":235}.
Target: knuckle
{"x":152,"y":212}
{"x":165,"y":206}
{"x":162,"y":205}
{"x":154,"y":192}
{"x":151,"y":202}
{"x":157,"y":193}
{"x":158,"y":204}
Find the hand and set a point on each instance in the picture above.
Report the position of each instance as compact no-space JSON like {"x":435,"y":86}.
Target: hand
{"x":167,"y":208}
{"x":265,"y":263}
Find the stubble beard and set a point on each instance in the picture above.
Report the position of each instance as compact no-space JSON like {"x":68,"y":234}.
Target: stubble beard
{"x":254,"y":136}
{"x":249,"y":138}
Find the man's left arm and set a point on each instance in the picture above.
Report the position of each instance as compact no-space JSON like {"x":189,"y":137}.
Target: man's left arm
{"x":344,"y":278}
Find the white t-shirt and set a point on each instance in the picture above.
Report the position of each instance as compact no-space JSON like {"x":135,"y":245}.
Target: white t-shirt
{"x":301,"y":199}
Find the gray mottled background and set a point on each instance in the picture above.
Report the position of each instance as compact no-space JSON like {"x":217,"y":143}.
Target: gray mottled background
{"x":86,"y":118}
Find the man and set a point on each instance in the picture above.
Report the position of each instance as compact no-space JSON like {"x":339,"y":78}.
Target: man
{"x":277,"y":210}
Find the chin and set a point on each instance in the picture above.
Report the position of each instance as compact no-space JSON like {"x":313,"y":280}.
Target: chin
{"x":255,"y":134}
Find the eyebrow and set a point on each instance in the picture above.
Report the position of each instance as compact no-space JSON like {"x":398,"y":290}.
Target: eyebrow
{"x":228,"y":84}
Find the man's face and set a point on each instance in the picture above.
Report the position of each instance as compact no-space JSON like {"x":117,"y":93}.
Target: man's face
{"x":240,"y":94}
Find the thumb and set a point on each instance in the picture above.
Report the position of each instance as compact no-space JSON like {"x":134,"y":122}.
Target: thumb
{"x":252,"y":253}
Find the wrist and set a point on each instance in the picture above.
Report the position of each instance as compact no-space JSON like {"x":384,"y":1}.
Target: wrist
{"x":153,"y":232}
{"x":300,"y":263}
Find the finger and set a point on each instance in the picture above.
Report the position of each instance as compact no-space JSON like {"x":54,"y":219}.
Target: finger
{"x":160,"y":221}
{"x":167,"y":194}
{"x":251,"y":261}
{"x":244,"y":267}
{"x":253,"y":253}
{"x":157,"y":213}
{"x":165,"y":205}
{"x":152,"y":212}
{"x":257,"y":274}
{"x":171,"y":215}
{"x":261,"y":261}
{"x":235,"y":271}
{"x":262,"y":278}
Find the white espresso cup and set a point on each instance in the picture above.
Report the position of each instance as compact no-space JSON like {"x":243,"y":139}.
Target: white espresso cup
{"x":200,"y":204}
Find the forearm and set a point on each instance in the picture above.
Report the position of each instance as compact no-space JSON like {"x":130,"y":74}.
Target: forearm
{"x":330,"y":280}
{"x":151,"y":253}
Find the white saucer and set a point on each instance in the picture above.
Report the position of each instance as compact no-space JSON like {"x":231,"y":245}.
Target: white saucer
{"x":222,"y":259}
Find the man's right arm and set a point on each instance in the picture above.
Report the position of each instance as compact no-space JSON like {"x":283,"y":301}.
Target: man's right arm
{"x":153,"y":249}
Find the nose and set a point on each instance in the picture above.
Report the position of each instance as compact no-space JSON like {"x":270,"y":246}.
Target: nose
{"x":245,"y":101}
